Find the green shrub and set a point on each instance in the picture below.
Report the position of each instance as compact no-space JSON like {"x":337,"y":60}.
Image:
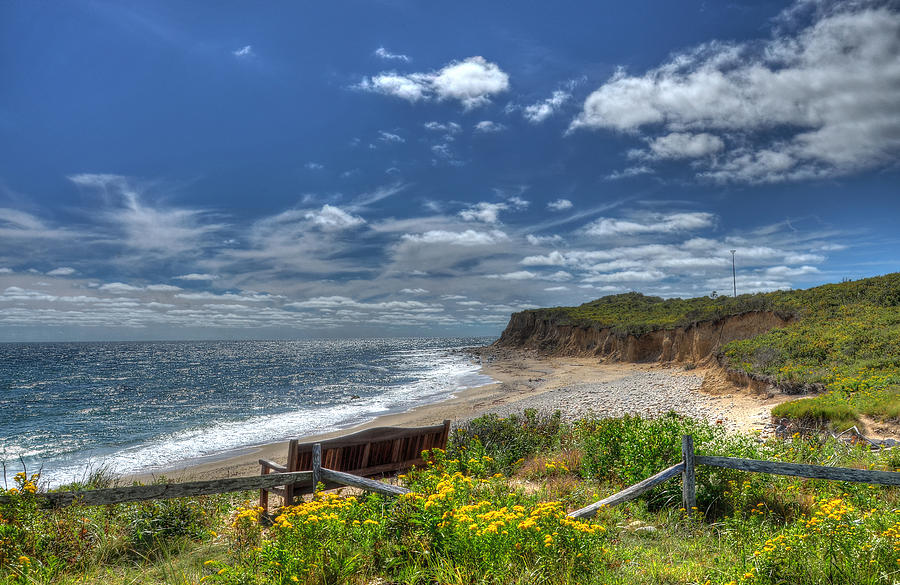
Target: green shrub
{"x":155,"y":521}
{"x":508,"y":440}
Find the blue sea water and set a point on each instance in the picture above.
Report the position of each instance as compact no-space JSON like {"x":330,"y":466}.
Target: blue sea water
{"x":68,"y":408}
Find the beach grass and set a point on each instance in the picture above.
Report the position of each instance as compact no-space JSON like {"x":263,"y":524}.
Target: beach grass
{"x":491,"y":509}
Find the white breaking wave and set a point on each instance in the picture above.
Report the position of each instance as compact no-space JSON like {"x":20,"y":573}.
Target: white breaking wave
{"x":439,"y":376}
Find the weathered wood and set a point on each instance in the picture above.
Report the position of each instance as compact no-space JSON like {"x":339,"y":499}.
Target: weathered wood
{"x":368,"y":453}
{"x":316,"y":465}
{"x":629,"y":493}
{"x":362,"y":483}
{"x":688,"y":476}
{"x":265,"y":463}
{"x":140,"y":493}
{"x":802,"y":470}
{"x":288,"y":497}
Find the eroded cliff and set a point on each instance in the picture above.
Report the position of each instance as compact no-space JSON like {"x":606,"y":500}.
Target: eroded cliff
{"x":696,"y":343}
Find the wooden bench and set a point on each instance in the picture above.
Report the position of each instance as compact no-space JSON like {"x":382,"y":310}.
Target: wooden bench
{"x":372,"y":452}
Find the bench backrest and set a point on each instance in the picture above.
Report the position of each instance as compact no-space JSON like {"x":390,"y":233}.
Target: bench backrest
{"x":372,"y":452}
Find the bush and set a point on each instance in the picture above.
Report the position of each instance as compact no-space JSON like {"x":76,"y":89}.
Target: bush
{"x":508,"y":440}
{"x":150,"y":523}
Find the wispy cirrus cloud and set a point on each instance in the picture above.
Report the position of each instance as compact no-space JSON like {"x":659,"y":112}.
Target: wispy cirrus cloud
{"x":383,"y":53}
{"x":540,"y":111}
{"x":145,"y":226}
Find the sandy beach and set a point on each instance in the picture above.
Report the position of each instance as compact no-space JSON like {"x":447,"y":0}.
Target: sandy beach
{"x":576,"y":386}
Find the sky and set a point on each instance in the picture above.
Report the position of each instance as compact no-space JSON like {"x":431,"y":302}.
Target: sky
{"x":209,"y":170}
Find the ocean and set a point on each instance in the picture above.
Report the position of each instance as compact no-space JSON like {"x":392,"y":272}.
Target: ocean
{"x":69,"y":408}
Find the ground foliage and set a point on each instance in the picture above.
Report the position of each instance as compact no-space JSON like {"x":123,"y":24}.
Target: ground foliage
{"x":467,"y":522}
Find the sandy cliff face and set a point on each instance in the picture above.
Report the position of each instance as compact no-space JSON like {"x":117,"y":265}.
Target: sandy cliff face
{"x":696,"y":344}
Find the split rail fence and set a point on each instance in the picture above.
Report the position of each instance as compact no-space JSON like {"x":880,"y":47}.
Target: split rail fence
{"x":307,"y":480}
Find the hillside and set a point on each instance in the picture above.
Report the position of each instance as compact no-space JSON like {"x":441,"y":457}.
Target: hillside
{"x":843,"y":338}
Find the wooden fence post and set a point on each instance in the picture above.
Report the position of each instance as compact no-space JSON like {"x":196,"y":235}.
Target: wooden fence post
{"x":264,"y":494}
{"x":688,"y":476}
{"x":316,"y":466}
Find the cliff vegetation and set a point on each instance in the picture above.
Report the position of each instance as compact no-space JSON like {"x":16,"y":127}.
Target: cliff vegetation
{"x":843,"y":338}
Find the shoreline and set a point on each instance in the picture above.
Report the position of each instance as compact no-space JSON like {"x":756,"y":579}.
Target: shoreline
{"x":524,"y":379}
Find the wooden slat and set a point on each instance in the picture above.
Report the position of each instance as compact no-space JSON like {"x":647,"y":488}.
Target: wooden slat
{"x":373,"y":435}
{"x":140,"y":493}
{"x":362,"y":483}
{"x":629,"y":493}
{"x":802,"y":470}
{"x":272,"y":465}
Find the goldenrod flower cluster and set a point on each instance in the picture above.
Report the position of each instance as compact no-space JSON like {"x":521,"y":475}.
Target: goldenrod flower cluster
{"x":324,"y":507}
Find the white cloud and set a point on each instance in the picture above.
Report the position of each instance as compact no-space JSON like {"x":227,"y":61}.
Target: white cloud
{"x":243,"y":296}
{"x":464,"y":238}
{"x":489,"y":127}
{"x":61,"y":271}
{"x":654,"y":223}
{"x":472,"y":82}
{"x":685,"y":145}
{"x":163,"y":288}
{"x":630,"y":172}
{"x":119,"y":287}
{"x":390,"y":137}
{"x":484,"y":212}
{"x":450,"y":128}
{"x":383,"y":53}
{"x":627,"y":276}
{"x":5,"y":270}
{"x":559,"y":205}
{"x":442,"y":151}
{"x":197,"y":276}
{"x":314,"y":166}
{"x":414,"y":291}
{"x":20,"y":225}
{"x":540,"y":111}
{"x":543,"y":240}
{"x":518,"y":203}
{"x":818,"y":103}
{"x":787,"y":271}
{"x":334,"y":218}
{"x":245,"y":51}
{"x":342,"y":302}
{"x":412,"y":88}
{"x":518,"y":275}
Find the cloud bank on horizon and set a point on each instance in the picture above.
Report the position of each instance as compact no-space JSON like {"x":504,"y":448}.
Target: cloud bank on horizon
{"x":436,"y":190}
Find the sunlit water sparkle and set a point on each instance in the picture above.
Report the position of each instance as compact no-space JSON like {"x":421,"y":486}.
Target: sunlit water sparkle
{"x":67,"y":408}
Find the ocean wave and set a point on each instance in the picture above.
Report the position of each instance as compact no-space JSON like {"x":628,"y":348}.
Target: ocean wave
{"x":429,"y":375}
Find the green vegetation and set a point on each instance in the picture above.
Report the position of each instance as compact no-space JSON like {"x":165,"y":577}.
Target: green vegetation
{"x":634,"y":313}
{"x":845,"y":338}
{"x":467,"y":523}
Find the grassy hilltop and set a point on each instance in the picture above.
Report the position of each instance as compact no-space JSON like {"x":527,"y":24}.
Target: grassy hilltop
{"x":846,"y":337}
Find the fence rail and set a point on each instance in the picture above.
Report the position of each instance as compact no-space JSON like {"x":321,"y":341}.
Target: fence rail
{"x":162,"y":491}
{"x":309,"y":479}
{"x":687,"y":468}
{"x":803,"y":470}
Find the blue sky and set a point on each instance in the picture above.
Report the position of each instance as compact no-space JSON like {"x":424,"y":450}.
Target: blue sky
{"x":177,"y":170}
